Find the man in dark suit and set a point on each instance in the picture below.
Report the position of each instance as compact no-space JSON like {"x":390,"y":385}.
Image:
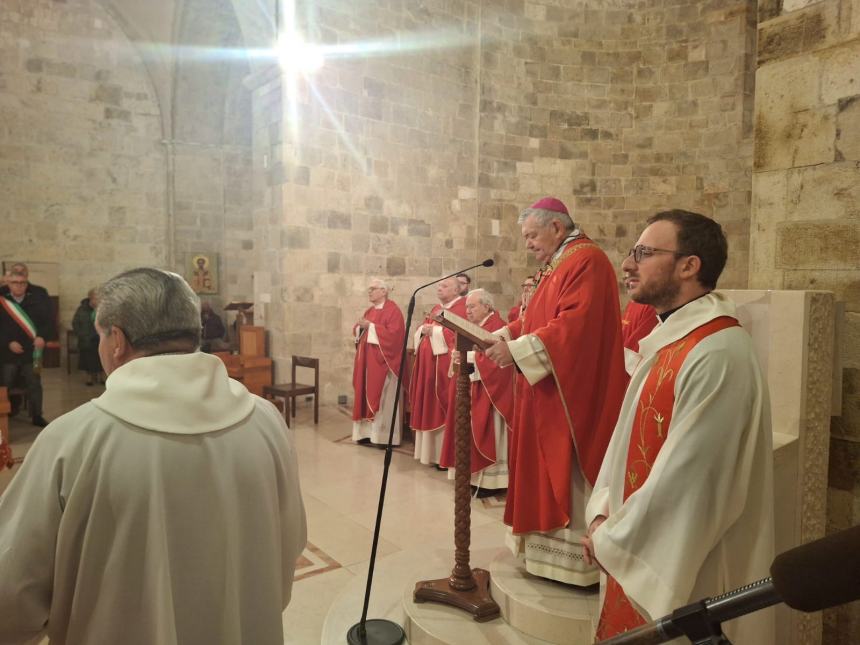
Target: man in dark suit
{"x":35,"y":289}
{"x":25,"y":322}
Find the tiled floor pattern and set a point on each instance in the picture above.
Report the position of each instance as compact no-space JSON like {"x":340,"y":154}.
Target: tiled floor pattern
{"x":340,"y":485}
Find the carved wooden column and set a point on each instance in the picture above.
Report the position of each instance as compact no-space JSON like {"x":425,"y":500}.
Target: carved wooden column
{"x":466,"y":588}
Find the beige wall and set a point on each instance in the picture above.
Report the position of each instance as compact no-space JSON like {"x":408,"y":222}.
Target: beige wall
{"x":412,"y":164}
{"x":806,"y":206}
{"x":82,"y":170}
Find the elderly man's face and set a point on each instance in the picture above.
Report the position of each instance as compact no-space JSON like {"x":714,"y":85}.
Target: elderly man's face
{"x":447,"y":290}
{"x":476,"y":310}
{"x":376,"y":294}
{"x":17,"y":285}
{"x":543,"y":240}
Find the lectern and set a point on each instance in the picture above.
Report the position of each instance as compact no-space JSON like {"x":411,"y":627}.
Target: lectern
{"x":466,"y":588}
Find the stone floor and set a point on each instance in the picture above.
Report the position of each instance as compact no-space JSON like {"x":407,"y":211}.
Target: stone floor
{"x":340,"y":485}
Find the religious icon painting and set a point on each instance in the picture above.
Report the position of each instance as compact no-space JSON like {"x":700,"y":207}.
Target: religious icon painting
{"x":202,"y":272}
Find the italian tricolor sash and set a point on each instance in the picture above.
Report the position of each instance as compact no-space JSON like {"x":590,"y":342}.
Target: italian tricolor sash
{"x":19,"y":316}
{"x":650,"y":429}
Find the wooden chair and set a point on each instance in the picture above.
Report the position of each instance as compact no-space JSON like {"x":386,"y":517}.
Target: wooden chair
{"x":289,"y":391}
{"x":71,"y":348}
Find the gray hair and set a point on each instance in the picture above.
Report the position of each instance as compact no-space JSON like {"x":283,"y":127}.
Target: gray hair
{"x":484,"y":298}
{"x":379,"y":282}
{"x":153,"y":308}
{"x":543,"y":217}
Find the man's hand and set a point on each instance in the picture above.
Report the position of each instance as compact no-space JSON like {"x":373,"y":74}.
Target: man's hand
{"x":364,"y":323}
{"x":426,"y":330}
{"x":588,"y":544}
{"x":16,"y":347}
{"x":39,"y":342}
{"x":499,"y":353}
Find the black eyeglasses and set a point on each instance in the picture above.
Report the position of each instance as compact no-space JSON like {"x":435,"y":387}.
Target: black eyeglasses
{"x":640,"y":252}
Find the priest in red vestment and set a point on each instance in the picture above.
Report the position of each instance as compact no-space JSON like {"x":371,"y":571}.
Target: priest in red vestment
{"x":379,"y":337}
{"x":492,"y":395}
{"x":637,"y":321}
{"x":527,"y":287}
{"x":568,"y":352}
{"x":428,"y":388}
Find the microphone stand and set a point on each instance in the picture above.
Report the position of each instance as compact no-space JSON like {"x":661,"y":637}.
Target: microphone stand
{"x":380,"y":631}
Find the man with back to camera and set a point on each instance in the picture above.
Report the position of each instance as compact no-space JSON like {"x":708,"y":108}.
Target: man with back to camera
{"x":165,"y":511}
{"x":683,"y":505}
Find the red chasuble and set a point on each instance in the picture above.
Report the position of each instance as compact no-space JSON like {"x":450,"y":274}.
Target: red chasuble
{"x":651,"y":427}
{"x":374,"y":362}
{"x":637,"y":321}
{"x":575,"y":313}
{"x":514,"y":313}
{"x":494,"y":392}
{"x":428,"y":388}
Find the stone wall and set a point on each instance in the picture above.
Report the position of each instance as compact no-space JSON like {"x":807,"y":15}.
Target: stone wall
{"x":357,"y":173}
{"x":82,"y":170}
{"x":410,"y":164}
{"x":620,"y":112}
{"x":805,"y":225}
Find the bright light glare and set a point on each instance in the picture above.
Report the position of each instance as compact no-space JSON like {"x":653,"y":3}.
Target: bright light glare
{"x":295,"y":55}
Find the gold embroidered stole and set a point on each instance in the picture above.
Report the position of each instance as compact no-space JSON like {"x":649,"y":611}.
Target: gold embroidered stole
{"x":650,"y":429}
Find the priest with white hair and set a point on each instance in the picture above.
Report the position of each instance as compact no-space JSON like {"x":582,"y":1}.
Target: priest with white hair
{"x":492,"y":406}
{"x":379,"y":335}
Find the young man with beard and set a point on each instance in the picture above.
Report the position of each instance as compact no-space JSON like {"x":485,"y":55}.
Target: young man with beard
{"x":683,"y":505}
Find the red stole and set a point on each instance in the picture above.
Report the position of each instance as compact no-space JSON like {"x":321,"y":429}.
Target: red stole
{"x":650,"y":429}
{"x":494,"y":392}
{"x":373,"y":363}
{"x":428,"y":388}
{"x":570,"y":414}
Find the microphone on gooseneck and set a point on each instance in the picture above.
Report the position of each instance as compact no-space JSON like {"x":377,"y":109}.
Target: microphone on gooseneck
{"x":814,"y":576}
{"x":379,"y":631}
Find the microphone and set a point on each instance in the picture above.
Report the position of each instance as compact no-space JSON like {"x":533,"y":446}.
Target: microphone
{"x":380,"y":631}
{"x":811,"y":577}
{"x":486,"y":263}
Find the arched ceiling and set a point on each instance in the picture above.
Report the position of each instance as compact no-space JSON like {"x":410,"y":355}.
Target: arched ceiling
{"x":160,"y":29}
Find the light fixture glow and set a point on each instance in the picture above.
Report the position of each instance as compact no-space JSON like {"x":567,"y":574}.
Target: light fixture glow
{"x":295,"y":55}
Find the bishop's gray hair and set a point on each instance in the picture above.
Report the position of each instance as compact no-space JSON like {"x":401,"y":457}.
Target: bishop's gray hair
{"x":544,"y":217}
{"x":484,"y":297}
{"x":154,"y":308}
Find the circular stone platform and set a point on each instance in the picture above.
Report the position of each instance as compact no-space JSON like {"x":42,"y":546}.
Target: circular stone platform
{"x":548,"y":610}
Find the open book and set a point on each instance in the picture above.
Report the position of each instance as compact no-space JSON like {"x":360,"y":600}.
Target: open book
{"x":459,"y":325}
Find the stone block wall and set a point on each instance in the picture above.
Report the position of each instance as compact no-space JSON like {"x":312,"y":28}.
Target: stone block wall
{"x":805,"y":224}
{"x":357,"y":173}
{"x":620,"y":112}
{"x":82,"y":169}
{"x":410,"y":164}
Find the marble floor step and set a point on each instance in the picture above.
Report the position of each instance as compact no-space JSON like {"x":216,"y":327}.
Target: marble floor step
{"x":543,"y":609}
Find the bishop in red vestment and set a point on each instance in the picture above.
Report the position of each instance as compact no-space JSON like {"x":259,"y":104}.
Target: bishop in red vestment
{"x":568,"y":350}
{"x":428,"y":388}
{"x":379,"y":337}
{"x":492,"y":410}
